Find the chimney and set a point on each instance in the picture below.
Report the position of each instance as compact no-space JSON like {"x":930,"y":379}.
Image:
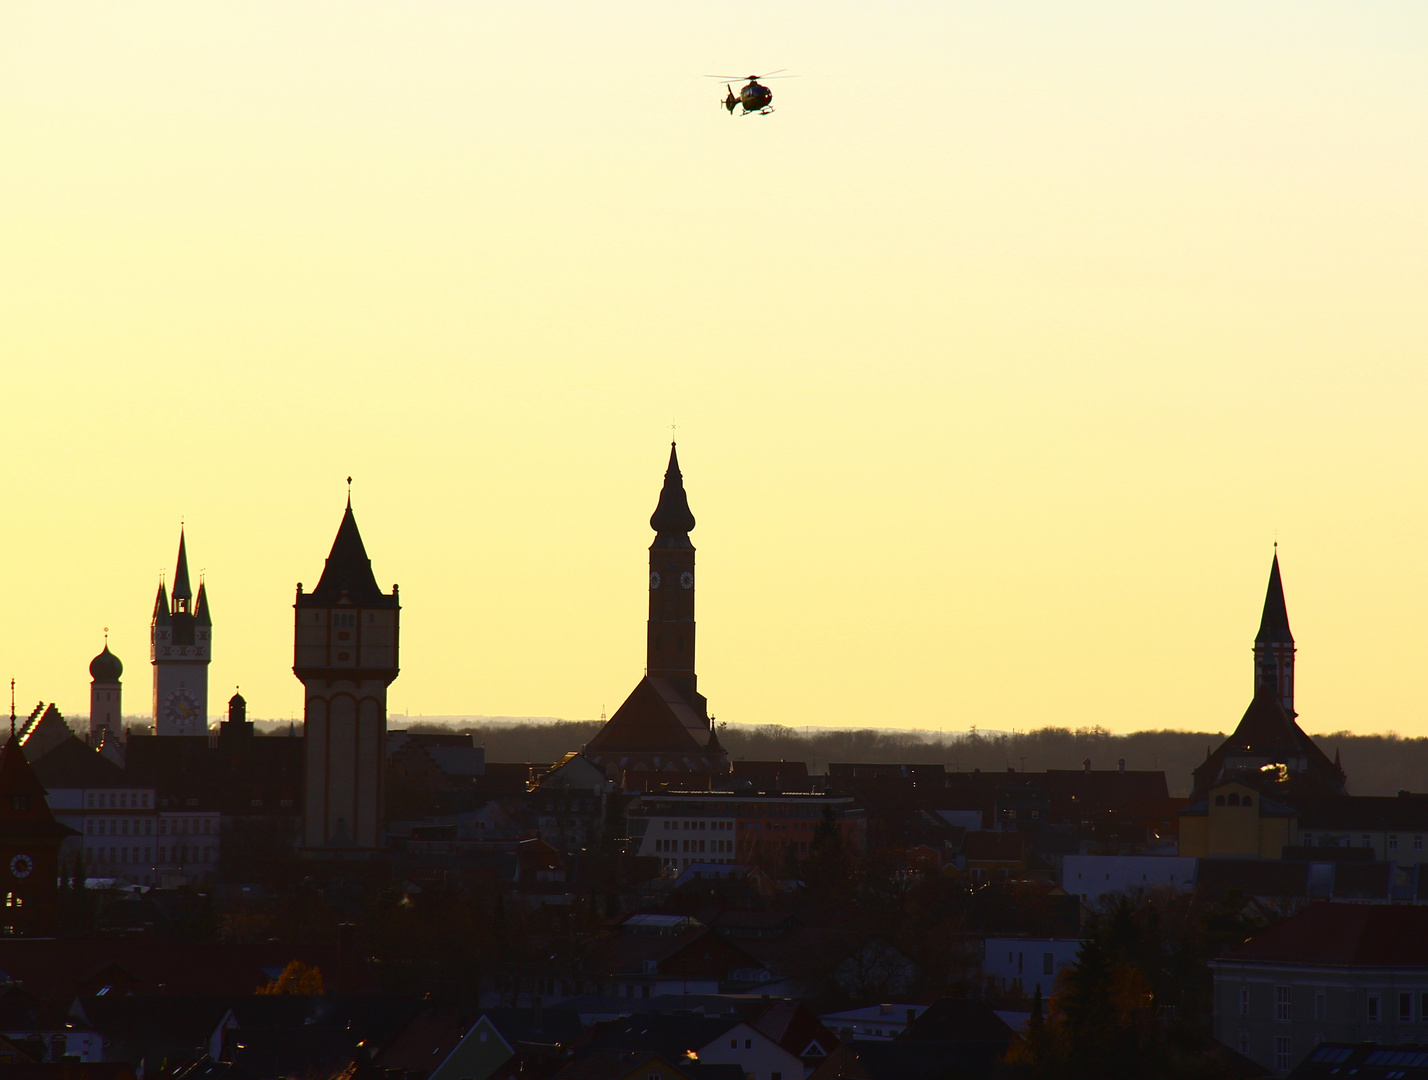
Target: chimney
{"x":1121,"y":764}
{"x":1086,"y":765}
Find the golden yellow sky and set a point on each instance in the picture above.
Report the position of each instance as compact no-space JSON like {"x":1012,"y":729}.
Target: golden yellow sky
{"x":1001,"y":353}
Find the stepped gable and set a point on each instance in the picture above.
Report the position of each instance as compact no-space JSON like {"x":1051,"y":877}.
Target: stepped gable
{"x":1267,"y":734}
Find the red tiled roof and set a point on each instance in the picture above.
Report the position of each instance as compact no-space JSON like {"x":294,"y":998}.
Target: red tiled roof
{"x":1349,"y":935}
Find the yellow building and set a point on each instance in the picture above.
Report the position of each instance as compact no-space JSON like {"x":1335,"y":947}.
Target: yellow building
{"x":1235,"y":820}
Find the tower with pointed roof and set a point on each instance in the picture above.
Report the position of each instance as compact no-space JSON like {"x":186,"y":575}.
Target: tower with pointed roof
{"x":1274,"y":645}
{"x":345,"y":655}
{"x":1268,"y":746}
{"x":664,"y":724}
{"x":105,"y":697}
{"x":180,"y":648}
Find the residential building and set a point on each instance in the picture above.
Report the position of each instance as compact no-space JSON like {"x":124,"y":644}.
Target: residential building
{"x":1027,"y":963}
{"x":1334,"y":972}
{"x":726,"y":827}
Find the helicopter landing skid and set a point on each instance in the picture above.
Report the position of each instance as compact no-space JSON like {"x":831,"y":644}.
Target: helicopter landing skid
{"x":757,"y":112}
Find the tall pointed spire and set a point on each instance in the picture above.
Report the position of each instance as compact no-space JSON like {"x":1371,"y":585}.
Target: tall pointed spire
{"x":349,"y":571}
{"x":200,"y":605}
{"x":161,"y":607}
{"x":1274,"y":623}
{"x":672,"y":518}
{"x":181,"y":587}
{"x":1274,"y":644}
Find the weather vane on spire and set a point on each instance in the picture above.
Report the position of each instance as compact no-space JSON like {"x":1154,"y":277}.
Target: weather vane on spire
{"x":672,"y":427}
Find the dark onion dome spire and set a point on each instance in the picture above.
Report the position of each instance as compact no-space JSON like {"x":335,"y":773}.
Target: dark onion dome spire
{"x":348,"y":572}
{"x":1274,"y":624}
{"x":181,"y":588}
{"x":672,"y":517}
{"x":105,"y":668}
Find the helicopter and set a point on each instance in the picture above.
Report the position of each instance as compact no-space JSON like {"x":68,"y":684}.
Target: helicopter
{"x":753,"y":97}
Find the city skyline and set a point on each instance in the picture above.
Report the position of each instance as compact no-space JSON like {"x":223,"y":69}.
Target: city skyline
{"x":1001,"y":354}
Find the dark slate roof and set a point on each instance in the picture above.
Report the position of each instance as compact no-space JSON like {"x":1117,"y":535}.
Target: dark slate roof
{"x":72,"y":764}
{"x":1252,"y":877}
{"x":558,"y":1024}
{"x":1362,"y":881}
{"x":1404,"y":813}
{"x":895,"y":1059}
{"x":958,"y":1020}
{"x":672,"y":518}
{"x":181,"y":588}
{"x":348,"y":572}
{"x":1347,"y":935}
{"x":1274,"y":623}
{"x":655,"y":718}
{"x":1267,"y":730}
{"x":668,"y":1035}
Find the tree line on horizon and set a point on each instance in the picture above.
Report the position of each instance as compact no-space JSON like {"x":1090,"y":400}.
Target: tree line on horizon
{"x":1375,"y":764}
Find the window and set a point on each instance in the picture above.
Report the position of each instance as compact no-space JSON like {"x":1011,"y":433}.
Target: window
{"x":1418,"y":843}
{"x":1405,"y":1008}
{"x":1308,"y":840}
{"x":1047,"y":963}
{"x":1244,"y":1043}
{"x":1373,"y":1013}
{"x":1365,"y":841}
{"x":1249,"y":800}
{"x":1244,"y":1000}
{"x":1282,"y":1003}
{"x":733,"y":1044}
{"x":748,"y":1044}
{"x":1423,"y":1004}
{"x":1281,"y":1053}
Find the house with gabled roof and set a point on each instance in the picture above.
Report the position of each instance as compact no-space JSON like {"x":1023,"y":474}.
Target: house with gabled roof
{"x":1334,"y":972}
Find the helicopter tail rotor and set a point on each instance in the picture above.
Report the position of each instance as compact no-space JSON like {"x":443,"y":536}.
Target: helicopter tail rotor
{"x":730,"y":101}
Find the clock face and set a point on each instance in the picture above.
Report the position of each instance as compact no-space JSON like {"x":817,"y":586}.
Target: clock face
{"x":654,"y":579}
{"x":181,"y":706}
{"x":21,"y":866}
{"x":686,"y":580}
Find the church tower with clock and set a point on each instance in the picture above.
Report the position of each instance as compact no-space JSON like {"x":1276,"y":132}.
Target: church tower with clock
{"x":345,"y":655}
{"x":664,"y":725}
{"x":180,"y":648}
